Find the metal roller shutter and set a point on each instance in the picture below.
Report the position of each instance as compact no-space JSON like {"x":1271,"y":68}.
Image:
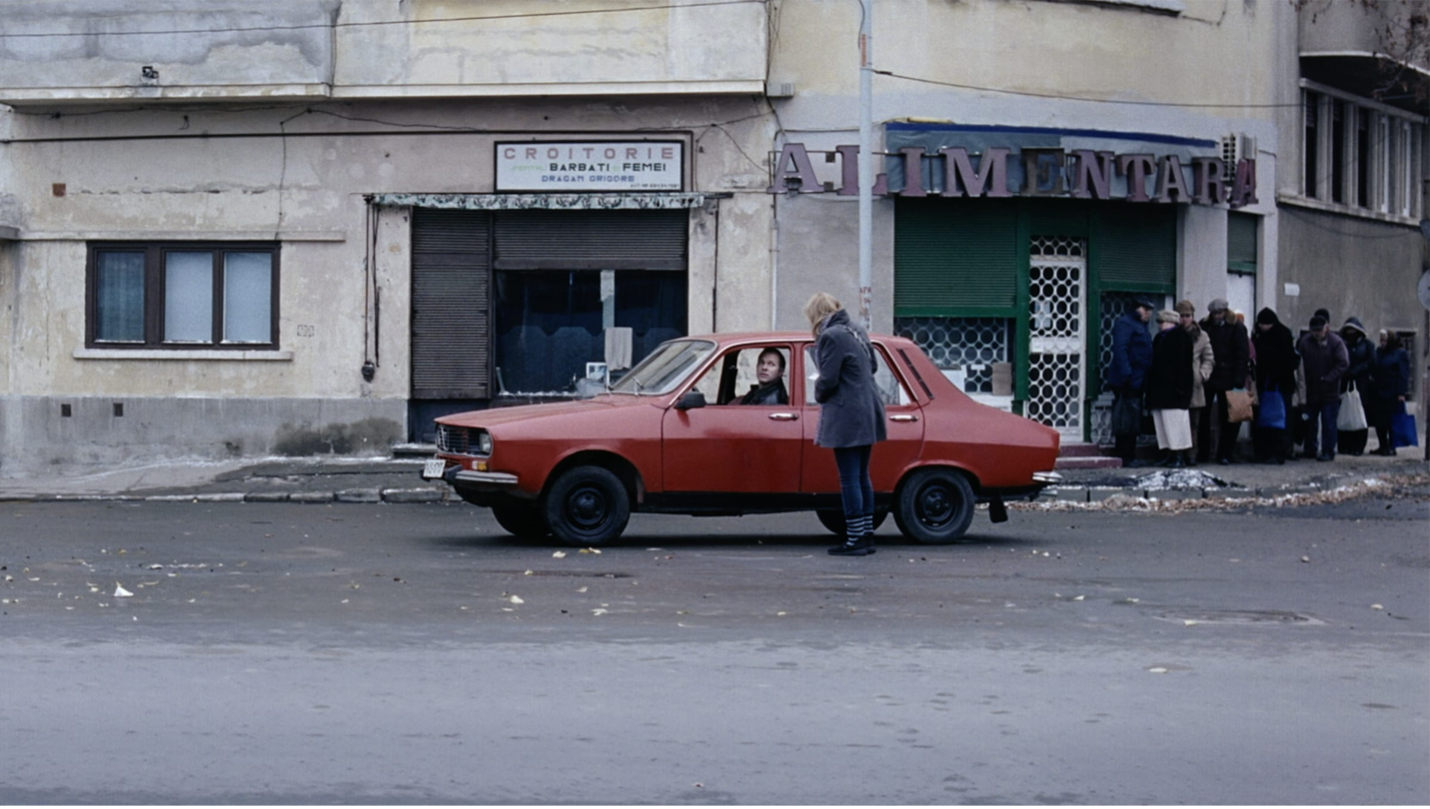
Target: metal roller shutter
{"x":451,"y":304}
{"x":591,"y":240}
{"x":955,"y":258}
{"x":1134,"y":247}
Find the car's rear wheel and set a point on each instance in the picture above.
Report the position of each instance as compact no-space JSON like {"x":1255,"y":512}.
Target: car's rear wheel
{"x":934,"y":506}
{"x":587,"y":506}
{"x":833,"y":519}
{"x":522,"y":520}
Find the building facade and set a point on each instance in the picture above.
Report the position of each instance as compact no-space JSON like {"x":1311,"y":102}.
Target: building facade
{"x":1133,"y":151}
{"x":228,"y":233}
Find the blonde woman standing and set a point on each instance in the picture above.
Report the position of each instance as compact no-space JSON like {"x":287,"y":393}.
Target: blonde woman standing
{"x":851,"y":418}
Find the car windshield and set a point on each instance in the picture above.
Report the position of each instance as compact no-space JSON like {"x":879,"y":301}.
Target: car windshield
{"x":665,"y":368}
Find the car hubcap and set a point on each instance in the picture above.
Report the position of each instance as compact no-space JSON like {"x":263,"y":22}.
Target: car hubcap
{"x":935,"y":506}
{"x":587,"y":508}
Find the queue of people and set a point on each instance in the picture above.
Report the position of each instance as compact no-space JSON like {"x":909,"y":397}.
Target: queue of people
{"x":1197,"y":378}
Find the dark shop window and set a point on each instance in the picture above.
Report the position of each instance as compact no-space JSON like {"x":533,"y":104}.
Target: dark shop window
{"x":1311,"y":144}
{"x":549,"y":324}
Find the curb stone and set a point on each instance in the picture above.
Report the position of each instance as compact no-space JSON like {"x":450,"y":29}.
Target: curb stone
{"x":360,"y":496}
{"x":266,"y":497}
{"x":1169,"y":495}
{"x":311,"y":497}
{"x":413,"y":495}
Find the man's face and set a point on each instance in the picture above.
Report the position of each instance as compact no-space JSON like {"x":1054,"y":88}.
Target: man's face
{"x":769,"y":369}
{"x":1219,"y":315}
{"x":1321,"y":333}
{"x":1187,"y":321}
{"x":1144,"y":313}
{"x":1264,"y":326}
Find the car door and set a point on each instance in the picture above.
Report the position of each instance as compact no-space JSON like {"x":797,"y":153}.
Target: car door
{"x":889,"y":459}
{"x":728,"y":447}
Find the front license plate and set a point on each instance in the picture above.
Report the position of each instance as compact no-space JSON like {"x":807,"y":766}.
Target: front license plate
{"x":434,"y":468}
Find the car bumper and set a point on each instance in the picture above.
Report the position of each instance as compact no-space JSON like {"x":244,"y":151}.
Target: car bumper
{"x":453,"y":474}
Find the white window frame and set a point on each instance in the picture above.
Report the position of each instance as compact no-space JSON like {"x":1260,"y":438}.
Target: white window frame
{"x":1395,"y":153}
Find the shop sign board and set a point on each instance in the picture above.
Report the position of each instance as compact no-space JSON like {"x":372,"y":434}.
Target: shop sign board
{"x":601,"y":165}
{"x":1077,"y":173}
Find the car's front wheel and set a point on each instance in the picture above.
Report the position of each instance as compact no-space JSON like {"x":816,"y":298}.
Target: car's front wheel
{"x":522,"y":520}
{"x":587,"y":506}
{"x":934,"y":506}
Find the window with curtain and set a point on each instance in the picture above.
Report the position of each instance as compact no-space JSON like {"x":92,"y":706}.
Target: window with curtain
{"x":176,"y":295}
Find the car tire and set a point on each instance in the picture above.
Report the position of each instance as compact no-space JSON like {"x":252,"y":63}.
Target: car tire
{"x":833,"y":519}
{"x":522,"y":520}
{"x":934,"y":506}
{"x":587,"y":507}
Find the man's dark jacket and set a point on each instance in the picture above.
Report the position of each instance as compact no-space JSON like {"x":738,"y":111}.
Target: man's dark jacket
{"x":1131,"y":354}
{"x":1324,"y":364}
{"x":1230,"y":347}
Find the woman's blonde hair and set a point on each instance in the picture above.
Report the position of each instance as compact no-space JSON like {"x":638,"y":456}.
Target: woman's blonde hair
{"x":821,"y":306}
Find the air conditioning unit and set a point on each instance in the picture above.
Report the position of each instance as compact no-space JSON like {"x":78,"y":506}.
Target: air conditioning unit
{"x":1235,"y":148}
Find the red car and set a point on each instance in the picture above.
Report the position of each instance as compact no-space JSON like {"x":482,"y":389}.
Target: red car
{"x":671,"y":436}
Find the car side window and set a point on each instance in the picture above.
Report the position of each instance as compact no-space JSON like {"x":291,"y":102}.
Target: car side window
{"x":891,"y":389}
{"x":735,"y":378}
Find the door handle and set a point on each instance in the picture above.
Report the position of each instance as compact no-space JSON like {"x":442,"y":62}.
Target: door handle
{"x":904,"y":417}
{"x":784,"y":416}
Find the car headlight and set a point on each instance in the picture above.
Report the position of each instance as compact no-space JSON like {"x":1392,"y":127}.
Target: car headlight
{"x":484,"y":442}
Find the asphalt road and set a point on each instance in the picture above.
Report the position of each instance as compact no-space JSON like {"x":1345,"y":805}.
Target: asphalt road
{"x":415,"y":654}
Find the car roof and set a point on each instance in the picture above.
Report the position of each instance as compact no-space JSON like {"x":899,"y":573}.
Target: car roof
{"x":733,"y":338}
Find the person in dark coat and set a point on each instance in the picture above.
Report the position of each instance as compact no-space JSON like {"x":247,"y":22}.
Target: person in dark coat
{"x":1390,"y":375}
{"x":1169,"y":388}
{"x":1230,"y":350}
{"x":1324,"y":361}
{"x":1127,"y":378}
{"x":1276,"y":362}
{"x":1357,"y":377}
{"x":851,"y":416}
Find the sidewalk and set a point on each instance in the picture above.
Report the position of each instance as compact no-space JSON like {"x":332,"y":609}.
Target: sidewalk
{"x":398,"y":480}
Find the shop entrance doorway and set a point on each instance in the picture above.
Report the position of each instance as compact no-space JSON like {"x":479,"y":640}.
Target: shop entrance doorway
{"x":1057,"y":333}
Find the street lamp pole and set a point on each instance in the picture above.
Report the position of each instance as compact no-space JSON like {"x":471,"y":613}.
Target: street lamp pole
{"x":866,"y":161}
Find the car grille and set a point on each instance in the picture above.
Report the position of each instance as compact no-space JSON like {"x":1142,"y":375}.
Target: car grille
{"x":453,"y":439}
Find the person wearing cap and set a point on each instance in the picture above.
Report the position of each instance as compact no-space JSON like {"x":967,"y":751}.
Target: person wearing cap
{"x":1276,"y":363}
{"x":1131,"y":357}
{"x":1357,"y":377}
{"x":1169,"y":388}
{"x":1324,"y":361}
{"x":1230,"y":349}
{"x":1203,"y":361}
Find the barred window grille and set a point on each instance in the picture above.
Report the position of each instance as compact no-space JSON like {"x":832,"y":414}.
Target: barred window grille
{"x":972,"y":344}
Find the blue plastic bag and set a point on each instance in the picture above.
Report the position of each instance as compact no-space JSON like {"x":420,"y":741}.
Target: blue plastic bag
{"x":1402,"y":428}
{"x":1273,"y":410}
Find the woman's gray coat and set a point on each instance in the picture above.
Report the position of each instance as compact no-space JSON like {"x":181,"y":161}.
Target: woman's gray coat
{"x":852,"y":414}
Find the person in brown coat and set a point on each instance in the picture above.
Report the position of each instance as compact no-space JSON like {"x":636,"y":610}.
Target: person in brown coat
{"x":1203,"y":361}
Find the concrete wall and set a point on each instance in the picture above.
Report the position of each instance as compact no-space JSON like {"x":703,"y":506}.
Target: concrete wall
{"x":1114,"y":57}
{"x":1351,"y":266}
{"x":317,"y":49}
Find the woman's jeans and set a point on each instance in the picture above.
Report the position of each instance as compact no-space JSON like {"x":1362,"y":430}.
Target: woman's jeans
{"x":855,"y":486}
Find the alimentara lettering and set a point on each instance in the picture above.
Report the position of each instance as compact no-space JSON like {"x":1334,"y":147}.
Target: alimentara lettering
{"x":1080,"y":174}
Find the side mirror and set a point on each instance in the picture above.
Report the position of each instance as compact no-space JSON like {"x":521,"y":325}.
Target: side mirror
{"x":691,"y":400}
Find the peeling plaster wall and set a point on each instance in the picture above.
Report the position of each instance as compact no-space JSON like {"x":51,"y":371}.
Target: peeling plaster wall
{"x":276,"y":45}
{"x":318,"y":49}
